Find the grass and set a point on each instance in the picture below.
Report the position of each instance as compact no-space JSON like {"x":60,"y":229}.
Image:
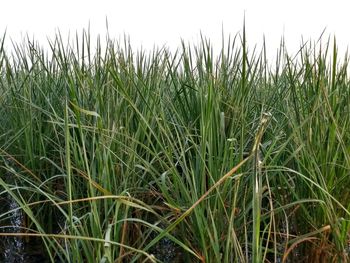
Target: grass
{"x":111,"y":151}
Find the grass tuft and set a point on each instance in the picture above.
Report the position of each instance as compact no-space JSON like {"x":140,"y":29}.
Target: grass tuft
{"x":113,"y":155}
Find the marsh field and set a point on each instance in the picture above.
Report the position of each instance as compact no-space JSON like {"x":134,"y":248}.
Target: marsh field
{"x":119,"y":155}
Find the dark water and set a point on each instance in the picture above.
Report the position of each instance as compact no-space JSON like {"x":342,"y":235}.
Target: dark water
{"x":167,"y":251}
{"x":16,"y":249}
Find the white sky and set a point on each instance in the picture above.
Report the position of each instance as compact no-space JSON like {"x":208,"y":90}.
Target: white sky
{"x":150,"y":22}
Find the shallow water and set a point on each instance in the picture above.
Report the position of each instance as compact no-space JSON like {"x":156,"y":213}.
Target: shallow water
{"x":17,"y":249}
{"x":167,"y":251}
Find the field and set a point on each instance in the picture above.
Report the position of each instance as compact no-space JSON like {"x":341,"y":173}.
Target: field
{"x":116,"y":155}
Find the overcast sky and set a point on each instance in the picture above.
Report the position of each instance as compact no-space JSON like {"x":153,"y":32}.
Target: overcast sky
{"x":150,"y":22}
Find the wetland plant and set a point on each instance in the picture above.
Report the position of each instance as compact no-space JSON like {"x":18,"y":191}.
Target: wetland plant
{"x":113,"y":152}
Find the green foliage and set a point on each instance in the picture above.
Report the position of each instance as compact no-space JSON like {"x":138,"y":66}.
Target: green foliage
{"x":228,"y":160}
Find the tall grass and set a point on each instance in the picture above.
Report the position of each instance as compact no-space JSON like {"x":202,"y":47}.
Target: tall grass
{"x":113,"y":151}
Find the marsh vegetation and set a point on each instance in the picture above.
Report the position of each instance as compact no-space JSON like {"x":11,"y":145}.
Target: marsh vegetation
{"x":112,"y":155}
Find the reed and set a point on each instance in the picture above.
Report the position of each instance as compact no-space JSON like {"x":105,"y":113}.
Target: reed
{"x":112,"y":153}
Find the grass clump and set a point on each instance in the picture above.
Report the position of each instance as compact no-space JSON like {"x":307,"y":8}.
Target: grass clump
{"x":112,"y":153}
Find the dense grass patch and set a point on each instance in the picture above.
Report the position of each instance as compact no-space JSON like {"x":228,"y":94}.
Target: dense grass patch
{"x":112,"y":153}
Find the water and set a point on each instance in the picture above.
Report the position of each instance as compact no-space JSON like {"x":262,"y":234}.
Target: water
{"x":17,"y":249}
{"x":167,"y":251}
{"x":13,"y":247}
